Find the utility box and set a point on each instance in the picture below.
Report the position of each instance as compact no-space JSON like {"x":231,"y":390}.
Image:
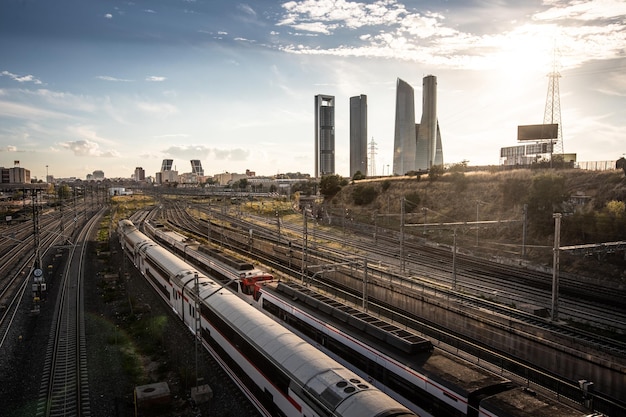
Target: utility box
{"x":201,"y":393}
{"x":152,"y":396}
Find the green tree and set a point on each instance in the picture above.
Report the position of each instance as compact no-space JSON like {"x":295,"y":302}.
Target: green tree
{"x":435,"y":172}
{"x":64,"y":192}
{"x":358,"y":176}
{"x":514,"y":191}
{"x":330,"y":185}
{"x":364,"y":194}
{"x":545,"y":197}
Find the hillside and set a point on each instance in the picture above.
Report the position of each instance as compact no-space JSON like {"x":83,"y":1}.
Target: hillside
{"x":592,"y":204}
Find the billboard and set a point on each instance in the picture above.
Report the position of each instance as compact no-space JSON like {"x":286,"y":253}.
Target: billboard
{"x":537,"y":132}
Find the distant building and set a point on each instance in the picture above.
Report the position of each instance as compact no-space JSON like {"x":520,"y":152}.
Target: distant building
{"x":98,"y":175}
{"x":429,"y":150}
{"x":358,"y":135}
{"x":227,"y":178}
{"x":166,"y":175}
{"x":404,"y":141}
{"x":15,"y":175}
{"x":140,"y":174}
{"x":166,"y":165}
{"x":324,"y":135}
{"x":417,"y":147}
{"x":196,"y":167}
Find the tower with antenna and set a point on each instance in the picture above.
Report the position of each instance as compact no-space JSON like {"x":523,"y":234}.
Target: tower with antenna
{"x":552,"y":113}
{"x":372,"y":158}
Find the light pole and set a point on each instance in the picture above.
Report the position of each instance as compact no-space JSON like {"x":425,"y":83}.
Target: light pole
{"x":555,"y":266}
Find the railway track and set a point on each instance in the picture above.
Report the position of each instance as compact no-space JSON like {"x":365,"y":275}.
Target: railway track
{"x":241,"y":231}
{"x":64,"y":387}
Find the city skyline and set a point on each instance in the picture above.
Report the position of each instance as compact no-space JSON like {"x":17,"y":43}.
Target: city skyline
{"x":116,"y":85}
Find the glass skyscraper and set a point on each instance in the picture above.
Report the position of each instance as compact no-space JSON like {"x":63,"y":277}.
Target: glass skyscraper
{"x":404,"y":138}
{"x":417,"y":147}
{"x":324,"y":135}
{"x":358,"y":135}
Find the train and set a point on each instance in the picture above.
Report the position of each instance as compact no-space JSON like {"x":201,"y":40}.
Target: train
{"x":280,"y":372}
{"x":428,"y":381}
{"x":240,"y":276}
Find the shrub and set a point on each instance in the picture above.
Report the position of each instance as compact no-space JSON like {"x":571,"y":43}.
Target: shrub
{"x":363,"y":195}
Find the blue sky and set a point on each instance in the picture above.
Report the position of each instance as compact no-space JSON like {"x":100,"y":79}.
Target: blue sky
{"x":111,"y":85}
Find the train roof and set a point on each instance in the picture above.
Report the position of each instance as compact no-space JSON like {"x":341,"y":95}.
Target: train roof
{"x":437,"y":365}
{"x":166,"y":259}
{"x":524,"y":402}
{"x":319,"y":375}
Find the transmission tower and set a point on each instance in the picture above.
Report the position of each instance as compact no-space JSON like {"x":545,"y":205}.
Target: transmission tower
{"x":552,"y":113}
{"x":372,"y":159}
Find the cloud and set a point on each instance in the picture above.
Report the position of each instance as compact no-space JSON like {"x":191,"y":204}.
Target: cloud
{"x":236,"y":154}
{"x":25,"y":111}
{"x":584,"y":11}
{"x":188,"y":152}
{"x":163,"y":109}
{"x":155,"y":78}
{"x":109,"y":78}
{"x":21,"y":78}
{"x":585,"y":31}
{"x":108,"y":16}
{"x":246,"y":9}
{"x":203,"y":152}
{"x":9,"y":148}
{"x":88,"y":148}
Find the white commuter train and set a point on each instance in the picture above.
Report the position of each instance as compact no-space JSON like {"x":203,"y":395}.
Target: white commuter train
{"x":283,"y":374}
{"x":428,"y":381}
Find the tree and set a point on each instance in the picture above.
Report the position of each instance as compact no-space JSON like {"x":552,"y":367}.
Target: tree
{"x":545,"y":197}
{"x":358,"y":176}
{"x":64,"y":192}
{"x":435,"y":172}
{"x":364,"y":194}
{"x":330,"y":185}
{"x":621,"y":164}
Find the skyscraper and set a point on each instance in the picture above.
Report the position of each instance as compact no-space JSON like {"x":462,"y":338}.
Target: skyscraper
{"x":196,"y":167}
{"x":324,"y":135}
{"x":140,"y":174}
{"x":429,"y":150}
{"x":358,"y":134}
{"x":404,"y":138}
{"x":166,"y":165}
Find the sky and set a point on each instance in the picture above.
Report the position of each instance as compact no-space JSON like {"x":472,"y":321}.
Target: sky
{"x":113,"y":85}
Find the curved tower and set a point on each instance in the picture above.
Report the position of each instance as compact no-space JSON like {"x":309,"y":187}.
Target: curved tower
{"x":428,"y":152}
{"x":404,"y":137}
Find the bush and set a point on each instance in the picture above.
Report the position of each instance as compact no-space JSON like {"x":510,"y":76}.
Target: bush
{"x":363,"y":195}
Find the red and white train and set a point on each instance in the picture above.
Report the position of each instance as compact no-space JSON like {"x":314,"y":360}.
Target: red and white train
{"x":281,"y":373}
{"x":428,"y":381}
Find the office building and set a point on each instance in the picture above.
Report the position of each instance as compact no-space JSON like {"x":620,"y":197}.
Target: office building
{"x":404,"y":141}
{"x":429,"y":150}
{"x":196,"y":167}
{"x":166,"y":165}
{"x":15,"y":175}
{"x":324,"y":135}
{"x":358,"y":135}
{"x":140,"y":174}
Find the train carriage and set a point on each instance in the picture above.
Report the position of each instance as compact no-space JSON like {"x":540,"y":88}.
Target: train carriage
{"x":285,"y":375}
